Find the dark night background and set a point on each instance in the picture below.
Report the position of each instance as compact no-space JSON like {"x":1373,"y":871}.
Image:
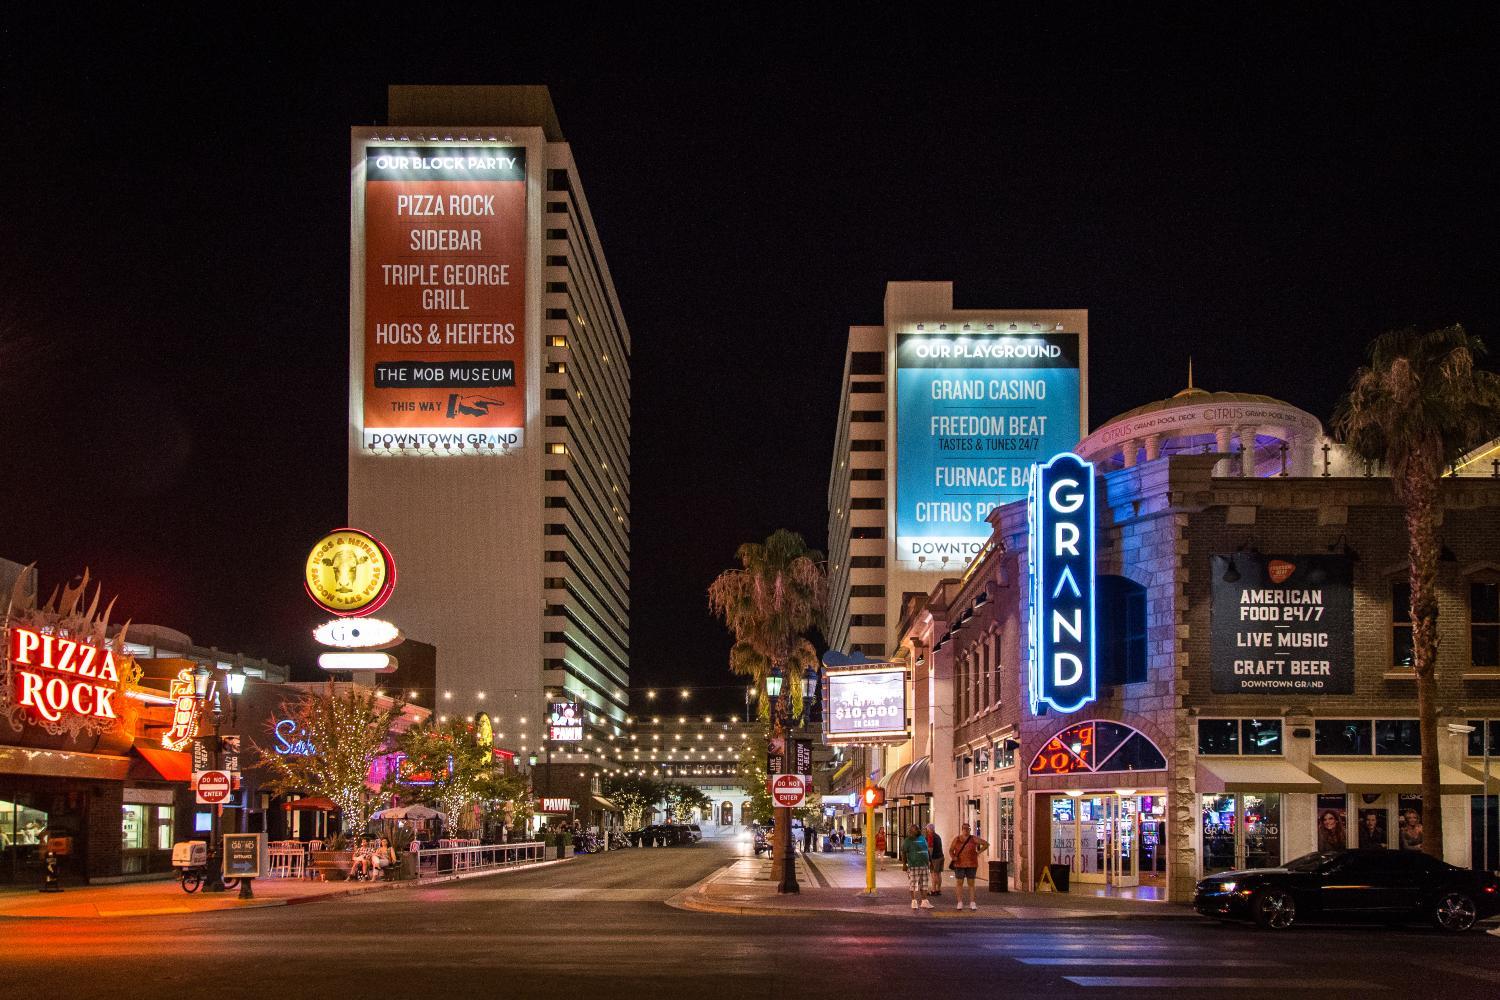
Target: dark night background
{"x":1264,"y":195}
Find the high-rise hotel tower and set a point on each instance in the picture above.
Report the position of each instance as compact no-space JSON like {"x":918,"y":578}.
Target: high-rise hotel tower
{"x":942,"y":413}
{"x":489,"y":407}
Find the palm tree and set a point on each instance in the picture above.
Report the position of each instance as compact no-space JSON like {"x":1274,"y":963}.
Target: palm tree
{"x":770,"y":603}
{"x":1417,"y":407}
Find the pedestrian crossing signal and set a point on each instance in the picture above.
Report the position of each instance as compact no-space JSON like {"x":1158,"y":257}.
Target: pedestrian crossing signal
{"x":874,"y":796}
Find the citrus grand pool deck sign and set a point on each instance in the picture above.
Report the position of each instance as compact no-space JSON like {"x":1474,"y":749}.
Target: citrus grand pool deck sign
{"x":1060,"y":561}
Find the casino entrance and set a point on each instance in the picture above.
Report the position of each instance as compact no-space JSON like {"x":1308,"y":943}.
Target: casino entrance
{"x":1105,"y":815}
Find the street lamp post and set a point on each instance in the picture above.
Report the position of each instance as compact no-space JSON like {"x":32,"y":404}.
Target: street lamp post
{"x":787,"y":883}
{"x":207,"y":693}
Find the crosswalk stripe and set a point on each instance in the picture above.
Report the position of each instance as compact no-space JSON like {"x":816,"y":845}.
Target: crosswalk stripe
{"x":1216,"y":983}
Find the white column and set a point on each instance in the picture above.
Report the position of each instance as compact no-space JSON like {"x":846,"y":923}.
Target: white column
{"x":1153,"y":447}
{"x":1247,"y":452}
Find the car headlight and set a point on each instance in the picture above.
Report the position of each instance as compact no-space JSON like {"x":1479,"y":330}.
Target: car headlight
{"x":1227,"y":886}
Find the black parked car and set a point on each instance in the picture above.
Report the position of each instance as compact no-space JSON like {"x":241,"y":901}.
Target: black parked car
{"x":1395,"y":886}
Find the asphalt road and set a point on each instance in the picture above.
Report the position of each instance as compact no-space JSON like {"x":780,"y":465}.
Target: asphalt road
{"x":597,"y":927}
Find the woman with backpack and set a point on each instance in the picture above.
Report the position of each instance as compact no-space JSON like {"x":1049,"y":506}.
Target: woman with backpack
{"x":916,"y":861}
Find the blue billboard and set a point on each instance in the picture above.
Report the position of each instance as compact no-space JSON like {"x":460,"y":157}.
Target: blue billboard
{"x":975,"y":413}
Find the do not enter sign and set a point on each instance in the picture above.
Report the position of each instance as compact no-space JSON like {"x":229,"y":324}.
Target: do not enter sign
{"x":213,"y":787}
{"x":788,"y":791}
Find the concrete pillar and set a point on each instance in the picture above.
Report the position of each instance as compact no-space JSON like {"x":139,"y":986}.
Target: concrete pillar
{"x":1153,"y":447}
{"x":1221,"y":445}
{"x":1130,"y":447}
{"x":1247,"y":452}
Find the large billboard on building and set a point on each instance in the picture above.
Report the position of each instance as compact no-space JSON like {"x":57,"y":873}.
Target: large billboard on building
{"x":444,"y":297}
{"x":975,"y":411}
{"x":865,"y":706}
{"x":1282,"y":623}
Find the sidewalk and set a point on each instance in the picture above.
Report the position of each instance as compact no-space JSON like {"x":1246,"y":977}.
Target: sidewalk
{"x":157,"y":898}
{"x":834,"y":883}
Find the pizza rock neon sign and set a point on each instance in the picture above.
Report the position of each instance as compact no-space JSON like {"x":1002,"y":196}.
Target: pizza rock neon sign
{"x":1061,"y":570}
{"x":57,"y":676}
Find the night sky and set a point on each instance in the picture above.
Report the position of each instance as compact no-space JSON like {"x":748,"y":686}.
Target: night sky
{"x":1264,"y":197}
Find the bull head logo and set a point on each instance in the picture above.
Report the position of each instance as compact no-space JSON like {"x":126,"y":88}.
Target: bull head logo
{"x":345,"y":564}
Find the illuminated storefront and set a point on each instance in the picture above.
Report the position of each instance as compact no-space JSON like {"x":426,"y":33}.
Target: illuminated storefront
{"x":1239,"y":717}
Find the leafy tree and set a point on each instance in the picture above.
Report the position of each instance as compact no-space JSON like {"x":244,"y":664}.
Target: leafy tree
{"x":770,"y":603}
{"x":1418,"y":406}
{"x":683,"y":800}
{"x":462,"y":770}
{"x":753,"y":778}
{"x":636,"y":795}
{"x":347,"y":729}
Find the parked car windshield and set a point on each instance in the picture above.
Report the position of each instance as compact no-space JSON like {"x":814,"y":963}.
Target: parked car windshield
{"x":1310,"y":862}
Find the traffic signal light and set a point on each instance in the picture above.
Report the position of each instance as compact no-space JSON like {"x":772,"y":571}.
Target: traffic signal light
{"x":874,"y":796}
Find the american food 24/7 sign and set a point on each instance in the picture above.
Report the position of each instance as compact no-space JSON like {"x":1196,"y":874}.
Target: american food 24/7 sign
{"x":1060,"y":566}
{"x":444,"y":297}
{"x":1282,"y":623}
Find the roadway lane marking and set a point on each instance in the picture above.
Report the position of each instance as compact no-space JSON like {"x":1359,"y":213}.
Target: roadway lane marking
{"x":1456,"y":969}
{"x":1163,"y":960}
{"x":1213,"y":984}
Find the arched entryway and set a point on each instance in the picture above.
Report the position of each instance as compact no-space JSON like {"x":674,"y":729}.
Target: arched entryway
{"x":726,"y":814}
{"x":1099,"y":803}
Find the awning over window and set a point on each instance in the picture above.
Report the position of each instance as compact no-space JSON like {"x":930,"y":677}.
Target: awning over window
{"x":1253,"y":775}
{"x":916,"y":779}
{"x":891,"y":782}
{"x":173,"y":765}
{"x":600,"y":802}
{"x":1390,"y":776}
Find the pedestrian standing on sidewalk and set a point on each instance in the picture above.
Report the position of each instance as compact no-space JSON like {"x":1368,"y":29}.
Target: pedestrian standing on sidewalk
{"x":935,"y":852}
{"x":809,"y":837}
{"x":917,"y":863}
{"x":965,"y":850}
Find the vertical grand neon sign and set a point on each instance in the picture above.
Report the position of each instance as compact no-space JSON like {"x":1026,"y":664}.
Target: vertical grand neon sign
{"x":1060,"y":561}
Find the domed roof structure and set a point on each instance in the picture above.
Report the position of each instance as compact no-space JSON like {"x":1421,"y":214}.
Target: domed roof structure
{"x":1258,"y":435}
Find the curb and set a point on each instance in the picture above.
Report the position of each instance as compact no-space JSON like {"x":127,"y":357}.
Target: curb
{"x":695,"y":898}
{"x":256,"y":904}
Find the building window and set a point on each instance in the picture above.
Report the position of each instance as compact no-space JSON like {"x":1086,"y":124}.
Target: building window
{"x":133,"y":828}
{"x":867,"y":363}
{"x":557,"y":368}
{"x":557,"y":314}
{"x":557,"y":260}
{"x":557,"y":394}
{"x":1122,"y":607}
{"x":867,"y":444}
{"x":556,"y":207}
{"x":1219,"y":736}
{"x":556,"y":475}
{"x":557,"y":286}
{"x":556,"y":341}
{"x":1233,"y":737}
{"x":867,"y":475}
{"x":557,"y":180}
{"x":1398,"y":738}
{"x":557,"y":421}
{"x":557,"y":234}
{"x":866,"y":533}
{"x":867,"y":562}
{"x":1341,"y":737}
{"x":165,"y":828}
{"x":862,"y":621}
{"x":866,"y":416}
{"x":1401,"y":646}
{"x":1364,"y":737}
{"x":867,"y":503}
{"x":866,"y":386}
{"x":981,"y":761}
{"x":1260,"y":737}
{"x":961,"y":765}
{"x":1005,"y":754}
{"x":867,"y":590}
{"x":1476,"y":738}
{"x":1484,"y":624}
{"x":1240,"y":831}
{"x":557,"y":448}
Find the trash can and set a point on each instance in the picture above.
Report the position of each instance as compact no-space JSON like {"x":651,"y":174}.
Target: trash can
{"x":999,"y":876}
{"x":1059,"y":875}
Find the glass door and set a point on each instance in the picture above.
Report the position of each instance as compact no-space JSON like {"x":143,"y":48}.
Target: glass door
{"x":1093,"y":839}
{"x":1123,"y":826}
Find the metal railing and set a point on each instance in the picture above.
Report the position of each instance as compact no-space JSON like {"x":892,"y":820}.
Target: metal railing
{"x":456,"y":860}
